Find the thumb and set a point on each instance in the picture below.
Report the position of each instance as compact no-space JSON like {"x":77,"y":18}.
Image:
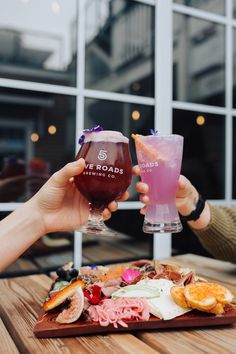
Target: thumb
{"x":71,"y":169}
{"x":183,"y":181}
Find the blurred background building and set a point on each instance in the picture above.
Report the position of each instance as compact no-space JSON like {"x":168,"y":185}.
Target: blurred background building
{"x":128,"y":65}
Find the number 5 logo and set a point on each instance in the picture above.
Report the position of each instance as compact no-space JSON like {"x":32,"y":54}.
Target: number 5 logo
{"x":102,"y":155}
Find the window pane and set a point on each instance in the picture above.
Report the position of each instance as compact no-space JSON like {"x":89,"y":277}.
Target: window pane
{"x":215,"y":6}
{"x":120,"y":47}
{"x":234,"y":68}
{"x":199,"y":61}
{"x":234,"y":8}
{"x":204,"y":150}
{"x":234,"y":158}
{"x":38,"y":40}
{"x":28,"y":147}
{"x":125,"y":117}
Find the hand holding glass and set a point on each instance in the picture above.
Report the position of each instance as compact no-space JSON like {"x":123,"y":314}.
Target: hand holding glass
{"x":106,"y":176}
{"x":159,"y":159}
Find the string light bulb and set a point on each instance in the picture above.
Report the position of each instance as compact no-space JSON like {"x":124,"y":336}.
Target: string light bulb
{"x":200,"y":120}
{"x":34,"y":137}
{"x":135,"y":115}
{"x":52,"y":129}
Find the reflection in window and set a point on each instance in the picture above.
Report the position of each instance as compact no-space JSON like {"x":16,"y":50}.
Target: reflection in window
{"x":198,"y":75}
{"x":125,"y":117}
{"x":35,"y":52}
{"x":215,"y":6}
{"x":120,"y":47}
{"x":204,"y":150}
{"x":29,"y":150}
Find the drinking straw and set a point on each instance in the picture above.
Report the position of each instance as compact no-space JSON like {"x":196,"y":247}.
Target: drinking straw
{"x":146,"y":149}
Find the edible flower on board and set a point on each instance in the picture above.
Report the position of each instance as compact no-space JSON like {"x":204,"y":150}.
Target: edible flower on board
{"x":130,"y":275}
{"x":95,"y":296}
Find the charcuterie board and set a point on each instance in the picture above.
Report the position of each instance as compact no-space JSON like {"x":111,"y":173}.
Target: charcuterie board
{"x":139,"y":296}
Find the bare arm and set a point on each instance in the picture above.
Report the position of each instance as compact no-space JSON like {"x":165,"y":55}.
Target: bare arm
{"x":58,"y":206}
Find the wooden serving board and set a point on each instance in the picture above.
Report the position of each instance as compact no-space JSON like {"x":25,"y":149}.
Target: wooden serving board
{"x":47,"y":327}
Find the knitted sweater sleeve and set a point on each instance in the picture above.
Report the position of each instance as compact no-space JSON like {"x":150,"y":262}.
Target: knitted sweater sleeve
{"x":219,"y":236}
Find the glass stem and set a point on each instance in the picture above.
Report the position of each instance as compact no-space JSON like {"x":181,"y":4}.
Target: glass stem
{"x":95,"y":215}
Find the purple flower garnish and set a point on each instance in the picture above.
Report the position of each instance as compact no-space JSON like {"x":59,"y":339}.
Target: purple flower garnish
{"x":130,"y":274}
{"x":153,"y":132}
{"x":93,"y":266}
{"x":81,"y":139}
{"x":96,"y":129}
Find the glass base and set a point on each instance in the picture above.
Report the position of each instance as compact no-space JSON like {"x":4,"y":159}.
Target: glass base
{"x":162,"y":227}
{"x":95,"y":224}
{"x":96,"y":229}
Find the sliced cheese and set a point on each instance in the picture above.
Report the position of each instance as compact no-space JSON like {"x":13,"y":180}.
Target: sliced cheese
{"x":165,"y":308}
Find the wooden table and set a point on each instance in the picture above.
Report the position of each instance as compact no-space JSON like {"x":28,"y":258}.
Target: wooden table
{"x":21,"y":299}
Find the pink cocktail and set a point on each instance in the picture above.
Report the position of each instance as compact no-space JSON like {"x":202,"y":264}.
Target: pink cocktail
{"x":160,"y":159}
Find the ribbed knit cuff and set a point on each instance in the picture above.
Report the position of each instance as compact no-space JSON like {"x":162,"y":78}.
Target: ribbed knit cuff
{"x":219,"y":236}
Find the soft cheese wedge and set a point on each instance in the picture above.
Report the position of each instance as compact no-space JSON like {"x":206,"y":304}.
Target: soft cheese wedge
{"x":163,"y":306}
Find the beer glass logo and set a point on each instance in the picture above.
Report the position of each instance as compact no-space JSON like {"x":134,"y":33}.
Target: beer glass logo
{"x":102,"y":156}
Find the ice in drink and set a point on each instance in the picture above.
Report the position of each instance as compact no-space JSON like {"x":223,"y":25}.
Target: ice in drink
{"x":160,"y":158}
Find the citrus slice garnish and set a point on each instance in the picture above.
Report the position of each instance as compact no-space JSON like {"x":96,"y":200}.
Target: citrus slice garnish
{"x":146,"y":149}
{"x":63,"y":295}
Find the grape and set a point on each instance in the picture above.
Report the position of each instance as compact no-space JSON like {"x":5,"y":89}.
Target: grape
{"x":73,"y":273}
{"x":62,"y":273}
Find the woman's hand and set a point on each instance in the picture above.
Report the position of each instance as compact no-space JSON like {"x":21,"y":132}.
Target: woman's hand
{"x":59,"y":203}
{"x":186,"y":194}
{"x":186,"y":200}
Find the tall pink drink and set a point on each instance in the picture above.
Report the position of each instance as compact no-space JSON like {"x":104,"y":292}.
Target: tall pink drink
{"x":160,"y":159}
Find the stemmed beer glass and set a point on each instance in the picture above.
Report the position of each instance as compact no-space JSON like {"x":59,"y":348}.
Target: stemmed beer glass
{"x":107,"y":174}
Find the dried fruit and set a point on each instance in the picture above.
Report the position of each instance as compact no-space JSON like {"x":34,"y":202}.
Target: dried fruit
{"x":63,"y":295}
{"x":75,"y":309}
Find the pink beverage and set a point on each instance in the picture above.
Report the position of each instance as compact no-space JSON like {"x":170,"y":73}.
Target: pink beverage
{"x":160,"y":159}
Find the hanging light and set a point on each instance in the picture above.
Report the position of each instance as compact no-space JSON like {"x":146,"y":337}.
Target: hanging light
{"x":135,"y":115}
{"x":200,"y":120}
{"x":52,"y":129}
{"x":34,"y":137}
